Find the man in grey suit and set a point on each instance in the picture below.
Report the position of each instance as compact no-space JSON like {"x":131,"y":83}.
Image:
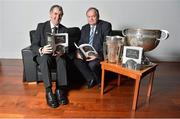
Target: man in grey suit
{"x":47,"y":59}
{"x":93,"y":33}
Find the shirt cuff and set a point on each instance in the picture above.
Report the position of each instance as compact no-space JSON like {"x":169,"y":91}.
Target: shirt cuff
{"x":40,"y":51}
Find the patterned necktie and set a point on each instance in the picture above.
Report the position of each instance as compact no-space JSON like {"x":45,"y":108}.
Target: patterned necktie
{"x":55,"y":30}
{"x":91,"y":36}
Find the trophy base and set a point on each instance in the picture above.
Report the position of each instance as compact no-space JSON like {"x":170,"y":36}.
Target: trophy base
{"x":146,"y":61}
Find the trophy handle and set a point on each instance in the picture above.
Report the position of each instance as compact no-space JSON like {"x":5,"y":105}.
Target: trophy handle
{"x":165,"y":36}
{"x":124,"y":31}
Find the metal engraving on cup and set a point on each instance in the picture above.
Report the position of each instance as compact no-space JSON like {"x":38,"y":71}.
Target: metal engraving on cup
{"x":105,"y":51}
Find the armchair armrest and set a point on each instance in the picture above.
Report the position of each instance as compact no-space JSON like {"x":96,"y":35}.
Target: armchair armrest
{"x":29,"y":66}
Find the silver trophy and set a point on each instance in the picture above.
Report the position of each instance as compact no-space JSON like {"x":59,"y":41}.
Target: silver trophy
{"x":112,"y":48}
{"x":148,"y":39}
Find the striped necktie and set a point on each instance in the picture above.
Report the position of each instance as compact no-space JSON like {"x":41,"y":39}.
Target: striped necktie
{"x":91,"y":36}
{"x":55,"y":30}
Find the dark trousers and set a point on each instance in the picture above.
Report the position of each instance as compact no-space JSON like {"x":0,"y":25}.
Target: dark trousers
{"x":47,"y":63}
{"x":90,"y":70}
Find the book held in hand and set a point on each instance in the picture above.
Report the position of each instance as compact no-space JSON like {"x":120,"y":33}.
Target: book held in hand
{"x":86,"y":50}
{"x":58,"y":42}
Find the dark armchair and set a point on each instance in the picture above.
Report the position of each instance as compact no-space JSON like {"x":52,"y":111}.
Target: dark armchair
{"x":31,"y":72}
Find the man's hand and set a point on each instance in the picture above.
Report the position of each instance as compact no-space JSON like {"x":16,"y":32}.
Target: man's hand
{"x":90,"y":58}
{"x":78,"y":56}
{"x":47,"y":49}
{"x":56,"y":53}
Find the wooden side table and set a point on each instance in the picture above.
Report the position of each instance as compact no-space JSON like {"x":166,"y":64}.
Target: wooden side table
{"x":134,"y":74}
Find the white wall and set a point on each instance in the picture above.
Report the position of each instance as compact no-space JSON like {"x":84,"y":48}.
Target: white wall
{"x":20,"y":16}
{"x":1,"y":12}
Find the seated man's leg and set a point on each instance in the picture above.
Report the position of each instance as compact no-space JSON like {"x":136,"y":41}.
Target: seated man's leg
{"x":96,"y":69}
{"x":61,"y":71}
{"x":46,"y":62}
{"x":61,"y":83}
{"x":85,"y":71}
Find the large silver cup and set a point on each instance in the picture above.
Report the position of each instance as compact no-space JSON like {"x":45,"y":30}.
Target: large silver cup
{"x":112,"y":48}
{"x":148,"y":39}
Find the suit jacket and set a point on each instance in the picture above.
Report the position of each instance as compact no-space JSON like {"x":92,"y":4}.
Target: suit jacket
{"x":41,"y":36}
{"x":103,"y":29}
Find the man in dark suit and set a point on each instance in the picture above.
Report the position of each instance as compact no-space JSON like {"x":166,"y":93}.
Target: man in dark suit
{"x":93,"y":33}
{"x":47,"y":59}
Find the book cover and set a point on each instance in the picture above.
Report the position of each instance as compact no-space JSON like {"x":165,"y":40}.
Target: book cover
{"x":58,"y":42}
{"x":86,"y":50}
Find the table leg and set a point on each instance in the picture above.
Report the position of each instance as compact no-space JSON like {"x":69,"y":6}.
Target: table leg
{"x":136,"y":93}
{"x":150,"y":86}
{"x":102,"y":82}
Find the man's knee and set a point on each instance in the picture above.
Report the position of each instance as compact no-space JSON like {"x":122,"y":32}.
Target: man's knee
{"x":95,"y":65}
{"x":46,"y":59}
{"x":60,"y":60}
{"x":78,"y":62}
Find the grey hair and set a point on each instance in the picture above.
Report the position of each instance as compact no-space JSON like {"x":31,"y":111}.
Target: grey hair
{"x":56,"y":6}
{"x":96,"y":11}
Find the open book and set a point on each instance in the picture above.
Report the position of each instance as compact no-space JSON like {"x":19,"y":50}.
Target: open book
{"x":86,"y":50}
{"x":59,"y":41}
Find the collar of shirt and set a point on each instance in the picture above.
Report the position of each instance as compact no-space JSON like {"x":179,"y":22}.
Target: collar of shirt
{"x":93,"y":26}
{"x":52,"y":26}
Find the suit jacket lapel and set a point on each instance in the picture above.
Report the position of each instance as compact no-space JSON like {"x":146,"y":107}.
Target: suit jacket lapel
{"x":59,"y":28}
{"x":96,"y":34}
{"x":87,"y":34}
{"x":47,"y":29}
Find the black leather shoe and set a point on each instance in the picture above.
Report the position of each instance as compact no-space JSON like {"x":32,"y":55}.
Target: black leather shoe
{"x":61,"y":97}
{"x":91,"y":83}
{"x":51,"y":100}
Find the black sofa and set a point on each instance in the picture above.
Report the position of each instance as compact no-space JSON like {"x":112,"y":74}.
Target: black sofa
{"x":31,"y":71}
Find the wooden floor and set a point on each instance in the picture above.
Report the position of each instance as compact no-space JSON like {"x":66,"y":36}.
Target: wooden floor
{"x":28,"y":101}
